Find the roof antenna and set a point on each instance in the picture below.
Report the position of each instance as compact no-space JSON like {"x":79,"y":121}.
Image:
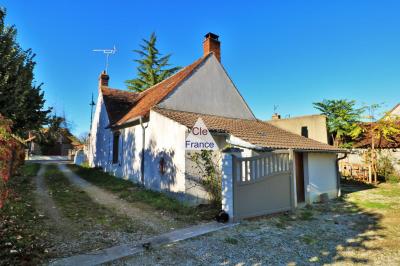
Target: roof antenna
{"x":107,"y":53}
{"x":275,"y":108}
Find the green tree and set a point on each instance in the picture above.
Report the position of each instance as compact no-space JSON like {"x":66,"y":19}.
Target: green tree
{"x":387,"y":127}
{"x":21,"y":100}
{"x":152,"y":69}
{"x":50,"y":133}
{"x":342,"y":120}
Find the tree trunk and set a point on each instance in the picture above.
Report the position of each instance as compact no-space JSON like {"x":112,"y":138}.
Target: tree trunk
{"x":11,"y":164}
{"x":373,"y":158}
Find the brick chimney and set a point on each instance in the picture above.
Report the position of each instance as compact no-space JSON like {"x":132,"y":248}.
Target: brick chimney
{"x":276,"y":116}
{"x":103,"y":79}
{"x":211,"y":44}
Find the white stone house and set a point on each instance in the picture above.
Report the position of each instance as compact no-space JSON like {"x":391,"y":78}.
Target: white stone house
{"x":141,"y":136}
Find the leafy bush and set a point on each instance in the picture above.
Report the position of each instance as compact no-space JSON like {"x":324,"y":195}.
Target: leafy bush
{"x":208,"y":164}
{"x":393,"y":178}
{"x":386,"y":169}
{"x":11,"y":156}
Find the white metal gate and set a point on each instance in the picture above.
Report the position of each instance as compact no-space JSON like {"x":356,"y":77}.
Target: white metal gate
{"x":262,"y":184}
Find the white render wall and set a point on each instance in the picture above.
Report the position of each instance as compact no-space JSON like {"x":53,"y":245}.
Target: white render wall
{"x":99,"y":146}
{"x":320,"y":176}
{"x":164,"y":139}
{"x":208,"y":91}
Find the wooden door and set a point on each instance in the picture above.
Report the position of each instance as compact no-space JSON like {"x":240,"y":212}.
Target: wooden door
{"x":299,"y":176}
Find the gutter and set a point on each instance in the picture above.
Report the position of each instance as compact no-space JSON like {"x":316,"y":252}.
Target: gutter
{"x":246,"y":146}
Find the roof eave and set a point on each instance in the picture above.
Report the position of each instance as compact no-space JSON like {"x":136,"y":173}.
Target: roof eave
{"x":130,"y":123}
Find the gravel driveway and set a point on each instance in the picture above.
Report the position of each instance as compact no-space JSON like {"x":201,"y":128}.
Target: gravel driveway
{"x":336,"y":233}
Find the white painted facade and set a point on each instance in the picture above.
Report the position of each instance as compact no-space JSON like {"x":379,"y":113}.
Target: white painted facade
{"x":164,"y":138}
{"x":166,"y":165}
{"x":320,"y":175}
{"x":208,"y":91}
{"x":98,"y":152}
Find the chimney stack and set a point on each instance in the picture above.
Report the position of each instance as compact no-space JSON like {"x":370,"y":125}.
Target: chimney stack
{"x":276,"y":116}
{"x":103,"y":79}
{"x":211,"y":44}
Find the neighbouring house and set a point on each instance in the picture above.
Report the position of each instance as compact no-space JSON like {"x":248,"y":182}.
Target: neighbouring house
{"x":309,"y":126}
{"x":141,"y":137}
{"x":66,"y":144}
{"x":356,"y":166}
{"x":395,"y":110}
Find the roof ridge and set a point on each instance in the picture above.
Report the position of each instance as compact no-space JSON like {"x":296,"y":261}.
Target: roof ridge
{"x":153,"y":100}
{"x":296,"y":117}
{"x":227,"y":117}
{"x":170,"y":77}
{"x":119,"y":90}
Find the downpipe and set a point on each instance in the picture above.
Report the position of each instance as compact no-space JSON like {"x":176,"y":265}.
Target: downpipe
{"x":143,"y":148}
{"x":339,"y":191}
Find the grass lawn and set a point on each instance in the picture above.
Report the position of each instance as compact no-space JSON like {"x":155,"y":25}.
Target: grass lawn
{"x":22,"y":231}
{"x":139,"y":195}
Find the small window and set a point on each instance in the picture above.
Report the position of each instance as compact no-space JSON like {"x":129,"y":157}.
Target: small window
{"x":304,"y":131}
{"x":115,"y":147}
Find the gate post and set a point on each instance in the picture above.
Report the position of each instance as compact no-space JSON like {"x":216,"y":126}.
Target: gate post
{"x":227,"y":186}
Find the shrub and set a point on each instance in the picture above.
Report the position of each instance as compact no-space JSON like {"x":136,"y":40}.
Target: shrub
{"x":393,"y":178}
{"x":385,"y":166}
{"x":207,"y":163}
{"x":11,"y":156}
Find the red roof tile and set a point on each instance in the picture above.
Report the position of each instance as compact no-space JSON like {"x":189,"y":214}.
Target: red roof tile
{"x":256,"y":132}
{"x":152,"y":96}
{"x":365,"y":140}
{"x":118,"y":102}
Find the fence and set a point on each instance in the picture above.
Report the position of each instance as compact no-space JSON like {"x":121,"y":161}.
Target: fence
{"x":359,"y":172}
{"x":248,"y":169}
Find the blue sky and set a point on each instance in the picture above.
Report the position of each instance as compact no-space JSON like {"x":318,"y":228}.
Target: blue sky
{"x":285,"y":53}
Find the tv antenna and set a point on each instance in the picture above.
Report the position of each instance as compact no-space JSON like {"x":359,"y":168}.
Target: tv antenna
{"x":107,"y":53}
{"x":275,"y":108}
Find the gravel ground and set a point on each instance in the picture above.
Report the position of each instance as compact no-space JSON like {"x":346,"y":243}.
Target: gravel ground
{"x":335,"y":233}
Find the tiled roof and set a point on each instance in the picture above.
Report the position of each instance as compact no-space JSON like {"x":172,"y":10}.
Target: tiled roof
{"x":118,"y":102}
{"x":255,"y":132}
{"x":365,"y":140}
{"x":152,"y":96}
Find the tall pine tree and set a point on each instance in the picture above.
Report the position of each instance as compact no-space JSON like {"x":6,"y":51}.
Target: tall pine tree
{"x":20,"y":99}
{"x":153,"y":67}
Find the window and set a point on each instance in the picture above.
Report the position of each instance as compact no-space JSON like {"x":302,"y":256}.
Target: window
{"x":115,"y":147}
{"x":304,"y":131}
